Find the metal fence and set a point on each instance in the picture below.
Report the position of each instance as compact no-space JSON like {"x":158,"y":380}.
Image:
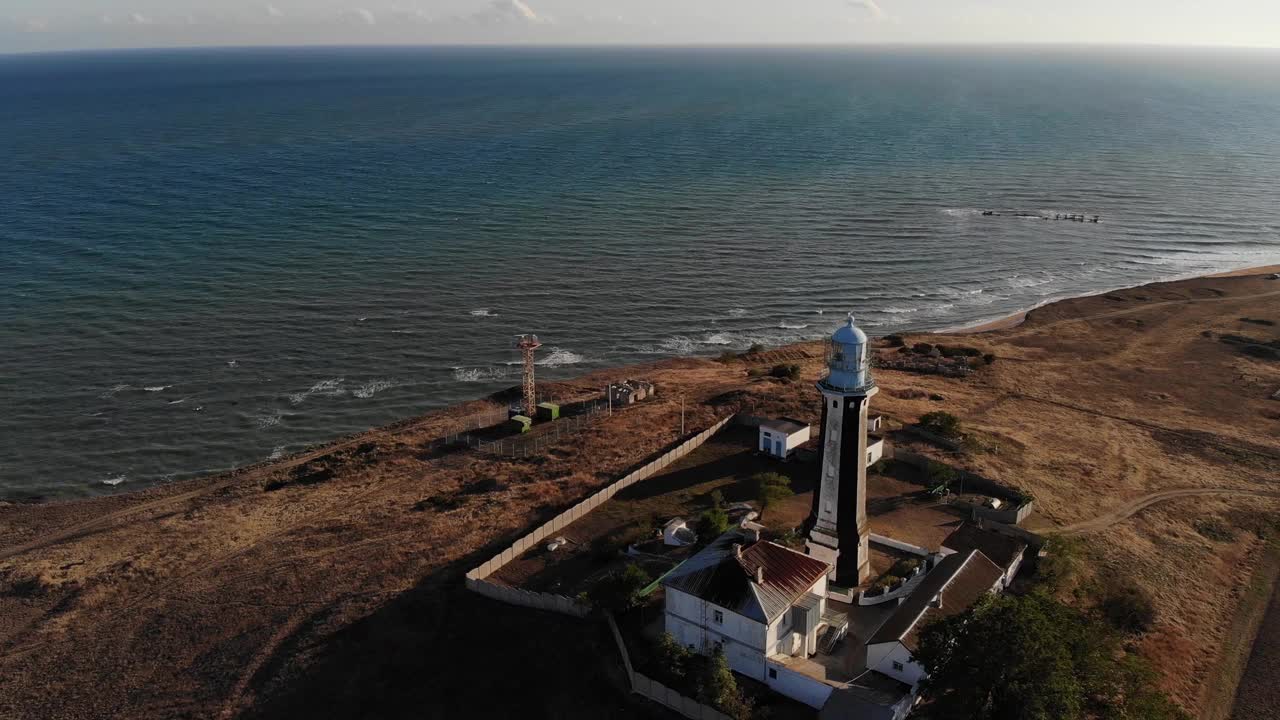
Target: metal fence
{"x":542,"y":438}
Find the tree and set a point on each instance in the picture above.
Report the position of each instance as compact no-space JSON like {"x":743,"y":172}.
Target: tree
{"x":771,"y":488}
{"x":717,"y":498}
{"x":673,"y":660}
{"x":619,"y":591}
{"x":941,"y":423}
{"x":717,"y":687}
{"x":1032,"y":658}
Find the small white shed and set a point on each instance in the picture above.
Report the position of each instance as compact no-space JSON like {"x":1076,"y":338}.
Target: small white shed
{"x":781,"y":437}
{"x":676,"y":532}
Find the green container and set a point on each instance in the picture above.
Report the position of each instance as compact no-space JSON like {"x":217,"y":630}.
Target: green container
{"x":522,"y":422}
{"x":548,"y":411}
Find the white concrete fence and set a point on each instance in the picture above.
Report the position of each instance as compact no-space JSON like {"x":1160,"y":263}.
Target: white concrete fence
{"x":477,"y":578}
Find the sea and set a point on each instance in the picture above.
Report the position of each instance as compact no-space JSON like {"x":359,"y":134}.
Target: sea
{"x":212,"y":257}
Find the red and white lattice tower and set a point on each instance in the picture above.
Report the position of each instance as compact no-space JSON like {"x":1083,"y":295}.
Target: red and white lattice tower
{"x":527,"y":344}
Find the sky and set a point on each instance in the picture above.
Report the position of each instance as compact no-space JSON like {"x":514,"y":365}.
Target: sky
{"x":41,"y":25}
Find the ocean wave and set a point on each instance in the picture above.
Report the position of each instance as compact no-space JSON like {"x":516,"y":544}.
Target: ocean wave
{"x":784,"y":325}
{"x":483,"y":312}
{"x":679,"y":345}
{"x":738,"y":312}
{"x":960,"y":212}
{"x":330,"y":387}
{"x":559,"y":357}
{"x":179,"y":401}
{"x":478,"y":374}
{"x":114,"y":481}
{"x":157,"y":388}
{"x":717,"y":339}
{"x":263,"y":422}
{"x":111,"y":392}
{"x":370,"y":388}
{"x":895,"y":310}
{"x":277,"y":452}
{"x":232,"y":363}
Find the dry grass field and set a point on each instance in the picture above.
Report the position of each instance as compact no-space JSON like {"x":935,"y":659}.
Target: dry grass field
{"x":337,"y":592}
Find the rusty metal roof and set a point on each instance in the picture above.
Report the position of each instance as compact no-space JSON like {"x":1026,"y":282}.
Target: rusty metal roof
{"x":958,"y":582}
{"x":720,"y":576}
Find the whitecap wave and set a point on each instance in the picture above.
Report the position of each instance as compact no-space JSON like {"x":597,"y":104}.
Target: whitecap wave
{"x":114,"y":481}
{"x":330,"y":387}
{"x":558,"y":357}
{"x":232,"y":363}
{"x":738,"y":312}
{"x":679,"y":345}
{"x":277,"y":452}
{"x":478,"y":374}
{"x":895,"y":310}
{"x":784,"y":325}
{"x":262,"y":422}
{"x":960,"y":212}
{"x":483,"y":312}
{"x":717,"y":339}
{"x":157,"y":388}
{"x":368,"y":389}
{"x":179,"y":401}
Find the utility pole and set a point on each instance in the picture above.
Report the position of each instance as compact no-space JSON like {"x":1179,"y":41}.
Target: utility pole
{"x":681,"y":416}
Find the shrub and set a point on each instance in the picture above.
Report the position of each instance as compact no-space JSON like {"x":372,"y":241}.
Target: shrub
{"x":713,"y":524}
{"x":673,"y":659}
{"x":1216,"y":528}
{"x":755,"y":348}
{"x":940,"y":475}
{"x":894,"y":340}
{"x":727,"y":356}
{"x":718,"y":687}
{"x":904,"y":567}
{"x":1128,"y":608}
{"x":755,"y":372}
{"x":789,"y":372}
{"x":717,"y":498}
{"x":941,"y":423}
{"x":888,"y":581}
{"x":619,"y":591}
{"x":771,"y":488}
{"x":989,"y":358}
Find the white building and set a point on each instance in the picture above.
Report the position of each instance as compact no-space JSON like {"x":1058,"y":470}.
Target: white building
{"x":958,"y":581}
{"x":753,"y":600}
{"x":781,"y":437}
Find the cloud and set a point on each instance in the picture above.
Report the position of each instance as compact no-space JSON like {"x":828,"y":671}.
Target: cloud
{"x":35,"y":24}
{"x":139,"y":19}
{"x":508,"y":11}
{"x":273,"y":11}
{"x":359,"y":16}
{"x":871,"y":7}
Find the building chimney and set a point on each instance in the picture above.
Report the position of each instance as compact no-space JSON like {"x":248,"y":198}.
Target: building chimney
{"x":759,"y":574}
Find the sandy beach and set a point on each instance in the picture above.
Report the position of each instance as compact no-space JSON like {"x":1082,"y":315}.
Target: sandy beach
{"x":325,"y":583}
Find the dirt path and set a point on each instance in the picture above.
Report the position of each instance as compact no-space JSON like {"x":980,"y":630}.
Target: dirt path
{"x":1134,"y":507}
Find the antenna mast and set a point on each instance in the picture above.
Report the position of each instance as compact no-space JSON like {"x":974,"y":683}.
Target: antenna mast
{"x":527,"y":344}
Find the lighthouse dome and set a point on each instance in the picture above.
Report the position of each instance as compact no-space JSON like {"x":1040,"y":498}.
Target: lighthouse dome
{"x":849,"y":334}
{"x":847,"y":366}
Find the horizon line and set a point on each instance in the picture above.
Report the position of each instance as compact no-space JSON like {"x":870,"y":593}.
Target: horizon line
{"x":1012,"y":44}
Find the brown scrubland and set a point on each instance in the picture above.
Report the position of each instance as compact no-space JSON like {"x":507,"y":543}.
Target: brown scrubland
{"x":329,"y":583}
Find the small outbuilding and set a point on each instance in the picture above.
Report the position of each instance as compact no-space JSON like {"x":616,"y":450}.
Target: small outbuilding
{"x":548,"y":411}
{"x":677,"y":533}
{"x":779,"y":438}
{"x":521,"y":423}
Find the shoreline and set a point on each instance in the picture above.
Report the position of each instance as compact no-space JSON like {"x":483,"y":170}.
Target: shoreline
{"x":1017,"y":318}
{"x":1007,"y":322}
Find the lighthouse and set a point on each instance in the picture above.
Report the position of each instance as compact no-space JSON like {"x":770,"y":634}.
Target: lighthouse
{"x":838,"y":532}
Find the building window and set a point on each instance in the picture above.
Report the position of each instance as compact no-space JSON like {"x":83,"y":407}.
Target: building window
{"x":897,"y":666}
{"x":835,"y":404}
{"x":718,"y":617}
{"x":773,"y":673}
